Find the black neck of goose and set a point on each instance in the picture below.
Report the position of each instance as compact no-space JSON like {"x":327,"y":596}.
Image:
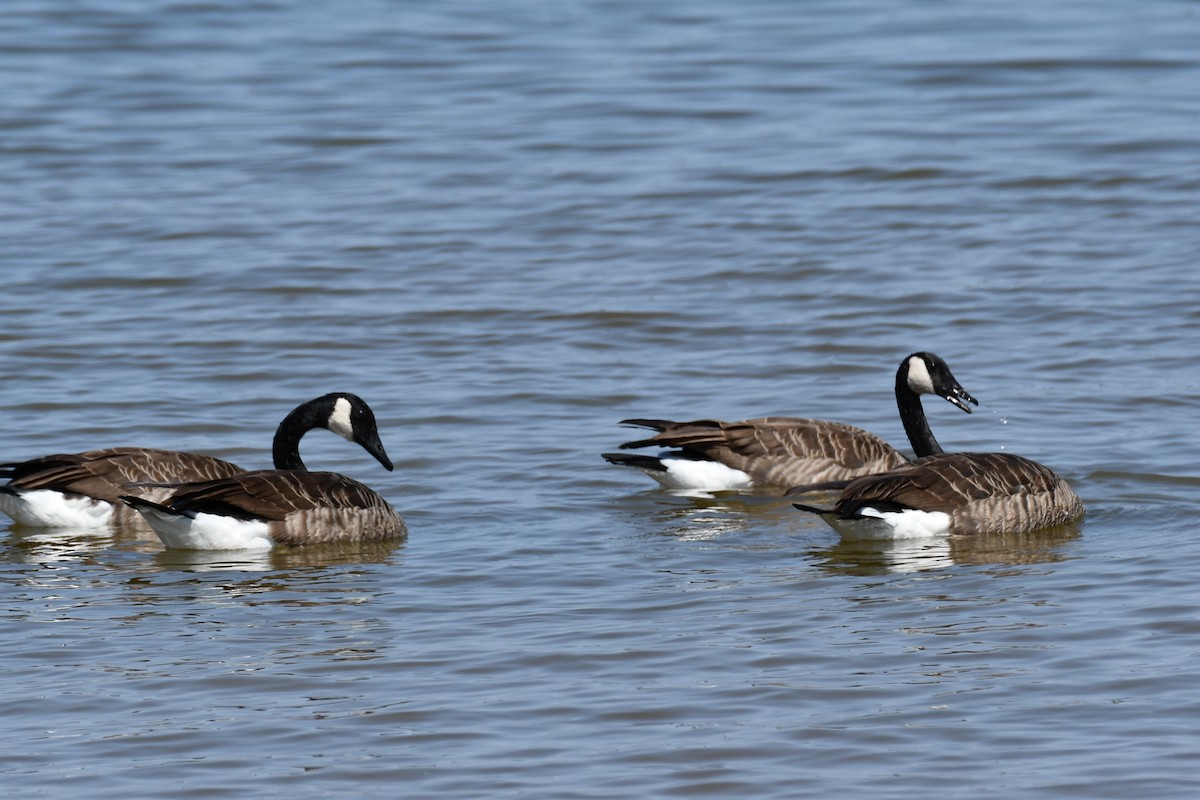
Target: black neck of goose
{"x":285,"y":450}
{"x":912,"y":414}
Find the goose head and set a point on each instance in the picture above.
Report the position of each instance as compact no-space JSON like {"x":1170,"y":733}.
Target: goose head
{"x":351,"y":418}
{"x":346,"y":414}
{"x":926,"y":373}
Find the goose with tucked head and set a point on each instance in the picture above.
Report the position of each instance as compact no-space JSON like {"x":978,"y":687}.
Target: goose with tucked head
{"x":288,"y":505}
{"x":710,"y":455}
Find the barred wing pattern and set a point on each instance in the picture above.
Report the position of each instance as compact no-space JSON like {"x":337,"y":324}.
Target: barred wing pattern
{"x":300,"y":507}
{"x":983,"y":493}
{"x":778,"y":451}
{"x":109,"y":473}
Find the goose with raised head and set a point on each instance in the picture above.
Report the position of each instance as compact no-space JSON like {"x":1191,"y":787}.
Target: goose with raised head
{"x":952,"y":493}
{"x":709,"y":455}
{"x":288,"y":505}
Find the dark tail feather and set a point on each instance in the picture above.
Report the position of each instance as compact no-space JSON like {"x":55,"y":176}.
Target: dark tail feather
{"x":628,"y":460}
{"x":642,"y":443}
{"x":814,"y":510}
{"x":824,"y":486}
{"x":653,"y":424}
{"x":659,"y":425}
{"x":141,"y":503}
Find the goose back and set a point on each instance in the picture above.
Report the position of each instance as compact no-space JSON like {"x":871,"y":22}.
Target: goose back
{"x":982,"y":493}
{"x":299,"y":507}
{"x":778,"y":451}
{"x":103,"y":476}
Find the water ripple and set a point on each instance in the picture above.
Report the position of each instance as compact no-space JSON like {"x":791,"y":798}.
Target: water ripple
{"x":510,"y":228}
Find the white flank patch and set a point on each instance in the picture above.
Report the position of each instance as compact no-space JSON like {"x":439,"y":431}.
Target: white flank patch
{"x":908,"y":524}
{"x":208,"y":532}
{"x":46,"y":508}
{"x":689,"y":474}
{"x":918,"y":376}
{"x":339,"y":419}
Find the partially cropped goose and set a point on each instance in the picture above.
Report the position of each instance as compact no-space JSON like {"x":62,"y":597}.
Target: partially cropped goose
{"x":82,"y":490}
{"x":952,"y":493}
{"x":288,"y":505}
{"x":789,"y":451}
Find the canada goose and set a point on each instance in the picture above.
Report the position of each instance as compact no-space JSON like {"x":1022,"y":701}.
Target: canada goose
{"x":288,"y":505}
{"x":788,"y":451}
{"x":952,"y":493}
{"x":82,"y":490}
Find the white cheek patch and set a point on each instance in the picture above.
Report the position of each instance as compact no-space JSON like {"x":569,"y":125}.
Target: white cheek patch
{"x":339,"y":419}
{"x":918,"y":376}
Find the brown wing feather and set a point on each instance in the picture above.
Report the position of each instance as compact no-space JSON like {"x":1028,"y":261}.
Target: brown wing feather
{"x":982,"y":492}
{"x":301,"y":507}
{"x":780,"y":451}
{"x":107,"y":474}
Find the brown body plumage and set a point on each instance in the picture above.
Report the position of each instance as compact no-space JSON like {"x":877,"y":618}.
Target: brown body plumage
{"x":299,"y":507}
{"x":105,"y":475}
{"x":778,"y":451}
{"x":981,"y":493}
{"x":787,"y":451}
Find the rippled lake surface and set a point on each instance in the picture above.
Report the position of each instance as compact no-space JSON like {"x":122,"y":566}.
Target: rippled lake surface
{"x":511,"y":225}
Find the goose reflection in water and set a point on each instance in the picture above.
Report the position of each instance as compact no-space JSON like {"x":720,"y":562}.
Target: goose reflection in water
{"x":748,"y":517}
{"x":884,"y":557}
{"x":60,"y":545}
{"x":312,"y":556}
